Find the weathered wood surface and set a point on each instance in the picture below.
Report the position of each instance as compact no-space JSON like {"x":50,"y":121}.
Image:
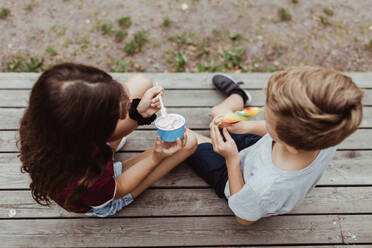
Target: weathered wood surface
{"x":181,"y":209}
{"x":195,"y":202}
{"x":170,"y":231}
{"x":172,"y":98}
{"x":196,"y":118}
{"x":142,"y":140}
{"x":192,"y":231}
{"x":177,"y":80}
{"x":347,"y":168}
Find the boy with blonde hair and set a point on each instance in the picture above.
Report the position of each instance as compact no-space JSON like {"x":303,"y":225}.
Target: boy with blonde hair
{"x":266,"y":168}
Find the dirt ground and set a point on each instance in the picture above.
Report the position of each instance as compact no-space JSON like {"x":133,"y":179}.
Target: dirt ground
{"x":186,"y":35}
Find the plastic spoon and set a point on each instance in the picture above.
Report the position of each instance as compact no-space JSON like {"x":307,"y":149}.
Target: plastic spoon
{"x":163,"y":110}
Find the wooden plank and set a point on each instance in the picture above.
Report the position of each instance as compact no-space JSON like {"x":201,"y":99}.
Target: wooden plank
{"x":176,"y":80}
{"x":172,"y":98}
{"x":194,"y":202}
{"x":195,"y":117}
{"x":347,"y":168}
{"x":187,"y":231}
{"x":141,"y":140}
{"x":356,"y":229}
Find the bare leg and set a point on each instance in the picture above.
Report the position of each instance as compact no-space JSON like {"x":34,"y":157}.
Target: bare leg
{"x":230,"y":104}
{"x":165,"y":165}
{"x":135,"y":86}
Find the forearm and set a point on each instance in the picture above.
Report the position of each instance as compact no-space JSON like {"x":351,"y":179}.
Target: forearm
{"x":256,"y":127}
{"x":234,"y":174}
{"x":123,"y":128}
{"x":134,"y":175}
{"x":236,"y":182}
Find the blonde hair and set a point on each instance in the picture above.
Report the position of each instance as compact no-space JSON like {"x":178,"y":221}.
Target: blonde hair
{"x":315,"y":108}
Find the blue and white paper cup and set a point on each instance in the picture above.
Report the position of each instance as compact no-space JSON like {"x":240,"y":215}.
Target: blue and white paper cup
{"x":170,"y":127}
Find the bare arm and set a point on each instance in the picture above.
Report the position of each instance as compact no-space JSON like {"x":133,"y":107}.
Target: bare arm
{"x":257,"y":127}
{"x":252,"y":127}
{"x":127,"y":181}
{"x":134,"y":175}
{"x":229,"y":151}
{"x":236,"y":181}
{"x":123,"y":128}
{"x":148,"y":106}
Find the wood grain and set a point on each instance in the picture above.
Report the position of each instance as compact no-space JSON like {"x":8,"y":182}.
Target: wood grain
{"x":176,"y":80}
{"x":170,"y":231}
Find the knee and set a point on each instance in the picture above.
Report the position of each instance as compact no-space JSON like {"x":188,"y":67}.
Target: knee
{"x":143,"y":80}
{"x":214,"y":112}
{"x":192,"y":142}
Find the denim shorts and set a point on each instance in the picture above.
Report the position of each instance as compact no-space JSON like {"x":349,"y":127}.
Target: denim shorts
{"x":115,"y":205}
{"x":211,"y":166}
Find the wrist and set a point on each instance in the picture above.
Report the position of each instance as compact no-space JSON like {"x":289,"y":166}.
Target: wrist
{"x":156,"y":158}
{"x":135,"y":113}
{"x":139,"y":110}
{"x":233,"y":159}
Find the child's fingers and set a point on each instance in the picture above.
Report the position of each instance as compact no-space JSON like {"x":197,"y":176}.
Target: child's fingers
{"x":155,"y":105}
{"x":158,"y":140}
{"x":184,"y":140}
{"x":179,"y":144}
{"x":218,"y":135}
{"x":213,"y":136}
{"x":227,"y":135}
{"x":217,"y":120}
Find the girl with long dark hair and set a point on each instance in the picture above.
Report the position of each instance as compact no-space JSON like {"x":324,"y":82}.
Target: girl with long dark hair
{"x":76,"y":118}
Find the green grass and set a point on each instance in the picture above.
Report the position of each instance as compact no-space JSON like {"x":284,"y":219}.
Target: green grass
{"x":22,"y":64}
{"x":234,"y":57}
{"x":125,"y":22}
{"x":84,"y":43}
{"x":4,"y":12}
{"x":167,"y":22}
{"x":295,"y":1}
{"x":140,"y":38}
{"x":324,"y":20}
{"x":51,"y":51}
{"x":369,"y":45}
{"x":120,"y":35}
{"x":106,"y":28}
{"x":236,"y":37}
{"x":211,"y":67}
{"x":121,"y":65}
{"x":31,"y":5}
{"x":328,"y":11}
{"x":181,"y":40}
{"x":203,"y":49}
{"x":180,"y":61}
{"x":284,"y":15}
{"x":136,"y":45}
{"x":130,"y":48}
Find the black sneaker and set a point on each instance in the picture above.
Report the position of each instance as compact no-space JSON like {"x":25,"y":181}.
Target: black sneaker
{"x":228,"y":86}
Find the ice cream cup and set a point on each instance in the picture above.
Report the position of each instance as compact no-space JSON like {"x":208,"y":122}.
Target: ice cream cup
{"x":171,"y":135}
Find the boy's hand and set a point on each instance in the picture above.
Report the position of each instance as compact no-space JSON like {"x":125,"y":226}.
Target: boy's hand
{"x":163,"y":149}
{"x":228,"y":148}
{"x":150,"y":102}
{"x":238,"y":128}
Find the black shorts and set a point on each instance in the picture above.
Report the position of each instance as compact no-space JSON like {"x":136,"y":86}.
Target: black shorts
{"x":211,"y":166}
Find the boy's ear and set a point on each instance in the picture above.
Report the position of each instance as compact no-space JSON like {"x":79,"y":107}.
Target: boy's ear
{"x":291,"y":149}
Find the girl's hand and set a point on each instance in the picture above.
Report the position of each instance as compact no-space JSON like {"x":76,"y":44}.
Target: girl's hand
{"x":150,"y":102}
{"x":163,"y":149}
{"x":228,"y":148}
{"x":238,"y":128}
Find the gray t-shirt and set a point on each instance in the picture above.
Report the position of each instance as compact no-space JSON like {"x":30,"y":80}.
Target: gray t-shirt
{"x":269,"y":190}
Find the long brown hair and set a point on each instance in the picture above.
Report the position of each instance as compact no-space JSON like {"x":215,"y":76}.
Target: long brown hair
{"x":73,"y":110}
